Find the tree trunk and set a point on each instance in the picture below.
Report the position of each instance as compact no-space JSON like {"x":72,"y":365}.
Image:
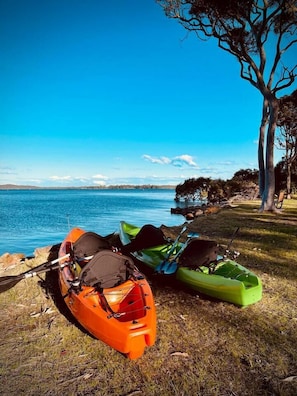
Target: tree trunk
{"x":269,"y":191}
{"x":289,"y":172}
{"x":261,"y":164}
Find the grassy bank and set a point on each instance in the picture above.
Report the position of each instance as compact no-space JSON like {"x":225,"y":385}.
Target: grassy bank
{"x":204,"y":347}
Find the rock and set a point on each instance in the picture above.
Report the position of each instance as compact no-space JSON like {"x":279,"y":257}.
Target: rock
{"x":42,"y":251}
{"x":198,"y":213}
{"x":48,"y":252}
{"x":190,"y":216}
{"x":212,"y":210}
{"x":184,"y":211}
{"x":8,"y":260}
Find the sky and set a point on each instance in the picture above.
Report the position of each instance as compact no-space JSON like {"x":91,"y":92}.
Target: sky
{"x":113,"y":92}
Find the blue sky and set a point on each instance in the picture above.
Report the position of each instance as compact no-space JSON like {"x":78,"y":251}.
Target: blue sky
{"x":113,"y":92}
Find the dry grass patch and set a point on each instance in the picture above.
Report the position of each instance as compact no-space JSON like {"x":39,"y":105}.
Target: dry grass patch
{"x":204,"y":347}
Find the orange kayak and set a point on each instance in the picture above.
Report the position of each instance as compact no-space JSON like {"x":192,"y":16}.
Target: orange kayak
{"x":107,"y":294}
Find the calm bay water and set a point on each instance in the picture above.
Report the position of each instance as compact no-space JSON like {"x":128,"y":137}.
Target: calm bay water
{"x":35,"y":218}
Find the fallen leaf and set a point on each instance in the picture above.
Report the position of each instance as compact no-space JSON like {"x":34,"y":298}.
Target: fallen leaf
{"x":289,"y":379}
{"x":183,"y":354}
{"x":35,"y":314}
{"x":87,"y":376}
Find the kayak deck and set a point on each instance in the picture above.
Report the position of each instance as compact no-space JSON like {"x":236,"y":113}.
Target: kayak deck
{"x":229,"y":281}
{"x":122,"y":316}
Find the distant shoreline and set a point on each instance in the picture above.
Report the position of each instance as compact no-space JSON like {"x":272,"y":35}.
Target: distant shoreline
{"x":111,"y":187}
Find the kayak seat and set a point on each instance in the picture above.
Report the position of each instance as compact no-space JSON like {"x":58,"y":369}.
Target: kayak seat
{"x":87,"y":245}
{"x":199,"y":253}
{"x":148,"y":236}
{"x":106,"y":269}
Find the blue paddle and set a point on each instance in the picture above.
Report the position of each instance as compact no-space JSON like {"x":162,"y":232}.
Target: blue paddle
{"x":160,"y":268}
{"x":170,"y":267}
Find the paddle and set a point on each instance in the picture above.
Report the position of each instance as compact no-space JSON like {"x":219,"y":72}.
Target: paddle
{"x":7,"y":282}
{"x":227,"y":250}
{"x":160,"y":268}
{"x":170,"y":267}
{"x":164,"y":266}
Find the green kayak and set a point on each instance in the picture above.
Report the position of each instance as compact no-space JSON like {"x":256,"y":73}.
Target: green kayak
{"x":227,"y":281}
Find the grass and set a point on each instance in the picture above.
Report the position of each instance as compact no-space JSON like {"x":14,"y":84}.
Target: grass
{"x":204,"y":347}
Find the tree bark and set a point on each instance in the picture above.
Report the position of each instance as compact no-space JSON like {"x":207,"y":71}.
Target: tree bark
{"x":269,"y":191}
{"x":264,"y":122}
{"x":289,"y":178}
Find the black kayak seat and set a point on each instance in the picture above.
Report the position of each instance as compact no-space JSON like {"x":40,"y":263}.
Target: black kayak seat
{"x":148,"y":236}
{"x":106,"y":269}
{"x":199,"y":253}
{"x":87,"y":245}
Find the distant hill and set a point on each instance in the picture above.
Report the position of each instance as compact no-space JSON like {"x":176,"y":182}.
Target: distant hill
{"x":17,"y":187}
{"x":119,"y":187}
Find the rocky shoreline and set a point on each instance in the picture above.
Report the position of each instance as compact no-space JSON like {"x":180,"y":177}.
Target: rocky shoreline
{"x":194,"y":211}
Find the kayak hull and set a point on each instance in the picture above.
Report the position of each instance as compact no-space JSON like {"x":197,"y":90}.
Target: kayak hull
{"x":129,"y":332}
{"x":230,"y":281}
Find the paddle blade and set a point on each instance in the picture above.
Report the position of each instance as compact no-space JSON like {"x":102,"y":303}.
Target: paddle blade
{"x":7,"y":282}
{"x":170,"y":267}
{"x":167,"y":267}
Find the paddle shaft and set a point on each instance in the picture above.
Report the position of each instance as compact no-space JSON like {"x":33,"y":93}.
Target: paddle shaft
{"x":175,"y":243}
{"x":45,"y":267}
{"x":232,"y":239}
{"x":7,"y":282}
{"x":182,"y":248}
{"x":159,"y":268}
{"x":170,"y":267}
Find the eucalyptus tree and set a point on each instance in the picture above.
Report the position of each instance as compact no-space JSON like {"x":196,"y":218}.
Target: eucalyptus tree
{"x":258,"y":34}
{"x":192,"y":189}
{"x":287,"y":137}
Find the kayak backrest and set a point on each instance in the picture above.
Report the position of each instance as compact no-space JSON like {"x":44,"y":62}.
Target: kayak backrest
{"x":147,"y":237}
{"x":88,"y":244}
{"x":106,"y":269}
{"x":199,"y":253}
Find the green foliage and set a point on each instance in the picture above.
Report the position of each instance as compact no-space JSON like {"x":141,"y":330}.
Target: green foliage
{"x":287,"y":112}
{"x":216,"y":190}
{"x":281,"y":176}
{"x":247,"y":175}
{"x":228,"y":9}
{"x":193,"y":189}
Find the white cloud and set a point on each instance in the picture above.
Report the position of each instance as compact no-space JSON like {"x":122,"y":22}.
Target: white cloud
{"x":161,"y":160}
{"x":35,"y":181}
{"x":60,"y":178}
{"x":184,"y":159}
{"x":6,"y":170}
{"x":100,"y":177}
{"x":77,"y":180}
{"x":99,"y":182}
{"x":178,"y":161}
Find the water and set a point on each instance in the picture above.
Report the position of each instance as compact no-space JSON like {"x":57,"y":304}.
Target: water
{"x":36,"y":218}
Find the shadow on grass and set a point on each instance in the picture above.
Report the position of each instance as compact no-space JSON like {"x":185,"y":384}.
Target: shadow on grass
{"x":266,"y":241}
{"x":51,"y":287}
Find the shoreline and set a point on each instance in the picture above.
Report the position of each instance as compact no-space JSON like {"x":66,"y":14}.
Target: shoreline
{"x":8,"y":187}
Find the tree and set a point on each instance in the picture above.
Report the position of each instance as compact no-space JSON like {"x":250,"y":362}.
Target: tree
{"x":247,"y":175}
{"x":287,"y":138}
{"x":243,"y":183}
{"x":192,"y":189}
{"x":245,"y":29}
